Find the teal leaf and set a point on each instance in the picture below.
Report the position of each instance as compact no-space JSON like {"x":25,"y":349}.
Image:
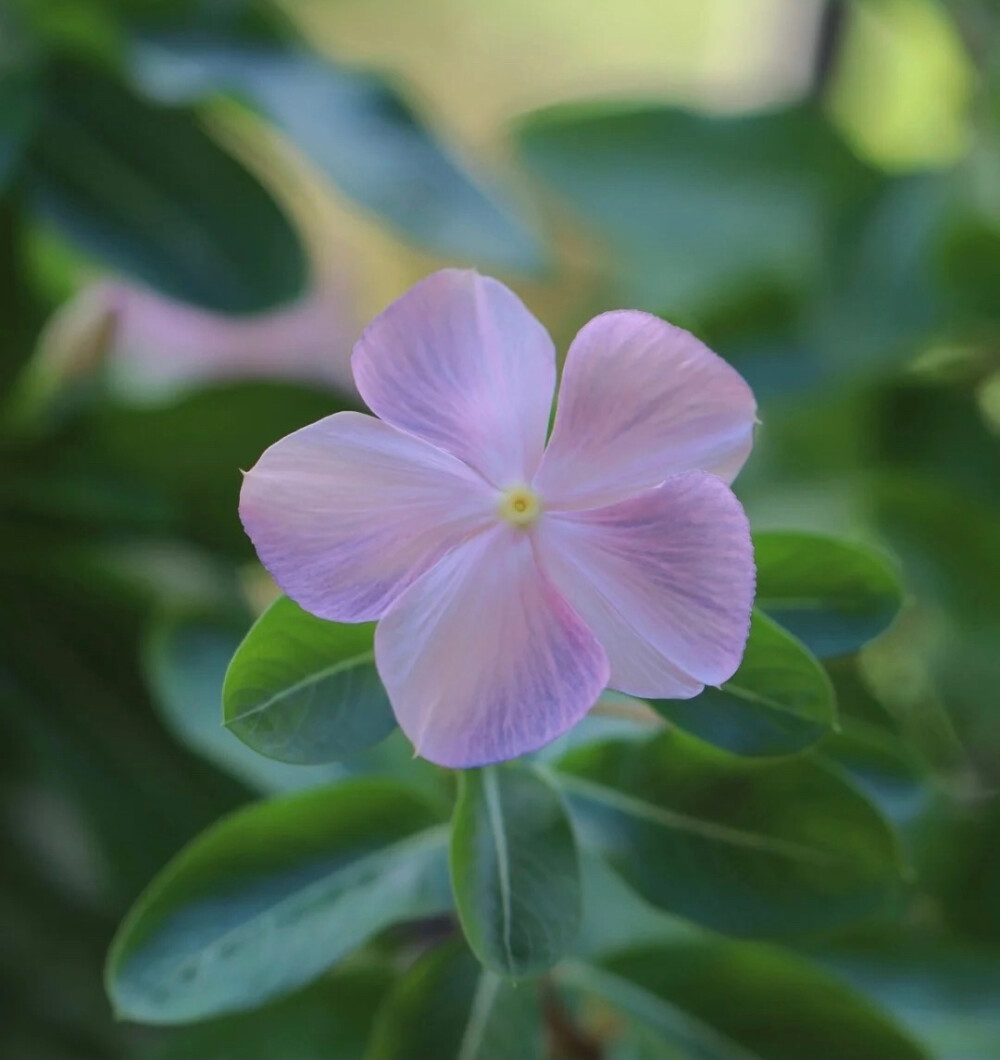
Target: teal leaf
{"x":694,"y":208}
{"x":362,"y":133}
{"x":146,"y":190}
{"x":271,"y":896}
{"x":185,"y":661}
{"x":450,"y":1008}
{"x":619,"y":928}
{"x":514,"y":869}
{"x":779,"y":701}
{"x":674,"y":988}
{"x":745,"y":847}
{"x":882,"y":766}
{"x":834,"y":595}
{"x":940,"y":986}
{"x":304,"y":690}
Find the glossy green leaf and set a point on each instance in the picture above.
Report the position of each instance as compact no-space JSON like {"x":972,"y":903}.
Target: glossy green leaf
{"x":746,"y":847}
{"x":693,"y":207}
{"x":720,"y":1000}
{"x":514,"y":870}
{"x":274,"y":894}
{"x":362,"y":133}
{"x":779,"y":701}
{"x":303,"y":690}
{"x":834,"y":595}
{"x":450,"y":1008}
{"x":186,"y":662}
{"x":146,"y":190}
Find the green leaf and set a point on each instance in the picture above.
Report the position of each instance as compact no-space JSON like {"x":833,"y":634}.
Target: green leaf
{"x":779,"y":701}
{"x":361,"y":132}
{"x":833,"y":595}
{"x":882,"y":766}
{"x":694,"y":208}
{"x":880,"y":302}
{"x":193,"y":448}
{"x":939,"y":986}
{"x":777,"y":1006}
{"x":272,"y":895}
{"x":303,"y":690}
{"x":686,"y":1020}
{"x":185,"y":663}
{"x":514,"y":870}
{"x":146,"y":190}
{"x":742,"y":846}
{"x":450,"y":1008}
{"x":18,"y":113}
{"x":332,"y":1018}
{"x":652,"y":1026}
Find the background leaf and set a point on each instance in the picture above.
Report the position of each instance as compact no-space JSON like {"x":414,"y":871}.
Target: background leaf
{"x":447,"y":1006}
{"x":662,"y":1012}
{"x":274,"y":894}
{"x":332,"y":1018}
{"x":304,"y":690}
{"x":833,"y":595}
{"x":146,"y":190}
{"x":693,"y":207}
{"x":186,"y":662}
{"x":192,"y":450}
{"x":514,"y":870}
{"x":779,"y":701}
{"x":675,"y":989}
{"x":745,"y":847}
{"x":18,"y":112}
{"x":362,"y":133}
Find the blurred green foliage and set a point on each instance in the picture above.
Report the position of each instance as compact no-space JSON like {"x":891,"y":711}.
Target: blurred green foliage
{"x":836,"y":800}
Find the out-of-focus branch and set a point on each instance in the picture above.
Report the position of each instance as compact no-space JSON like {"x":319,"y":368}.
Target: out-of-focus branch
{"x":830,"y":35}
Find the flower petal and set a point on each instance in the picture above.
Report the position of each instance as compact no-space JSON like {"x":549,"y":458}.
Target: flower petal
{"x":162,"y":347}
{"x":641,"y":400}
{"x":665,"y":579}
{"x":346,"y":512}
{"x":483,"y":659}
{"x":460,"y":362}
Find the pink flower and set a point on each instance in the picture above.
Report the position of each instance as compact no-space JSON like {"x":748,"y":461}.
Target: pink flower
{"x":513,"y":581}
{"x":152,"y":348}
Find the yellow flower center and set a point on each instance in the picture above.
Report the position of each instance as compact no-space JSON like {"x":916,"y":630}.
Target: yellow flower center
{"x":520,"y":505}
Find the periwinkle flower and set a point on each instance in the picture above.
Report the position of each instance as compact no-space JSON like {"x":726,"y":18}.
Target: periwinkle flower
{"x":515,"y":580}
{"x":150,"y":348}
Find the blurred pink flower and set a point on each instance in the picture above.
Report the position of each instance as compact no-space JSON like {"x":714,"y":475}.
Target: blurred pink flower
{"x":152,"y":348}
{"x":514,"y":581}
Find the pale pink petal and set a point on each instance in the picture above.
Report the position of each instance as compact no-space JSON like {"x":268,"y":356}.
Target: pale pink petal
{"x":346,"y":512}
{"x":482,"y":658}
{"x":459,"y":361}
{"x":665,"y":579}
{"x":640,"y":400}
{"x":161,"y":347}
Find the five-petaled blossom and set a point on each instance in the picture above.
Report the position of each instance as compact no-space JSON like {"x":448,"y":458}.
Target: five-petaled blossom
{"x":515,"y":580}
